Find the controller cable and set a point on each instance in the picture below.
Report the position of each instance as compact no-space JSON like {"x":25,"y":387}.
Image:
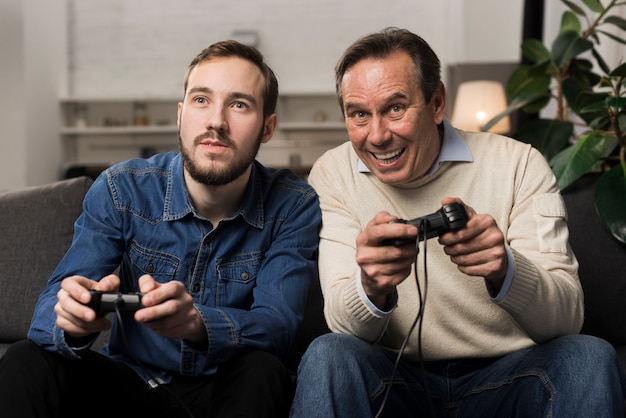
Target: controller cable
{"x":418,"y":321}
{"x":152,"y":381}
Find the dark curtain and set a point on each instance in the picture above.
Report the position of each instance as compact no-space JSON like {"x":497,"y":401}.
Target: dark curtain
{"x":532,"y":27}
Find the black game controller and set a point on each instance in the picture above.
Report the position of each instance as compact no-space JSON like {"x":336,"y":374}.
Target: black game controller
{"x":448,"y":218}
{"x":103,"y":303}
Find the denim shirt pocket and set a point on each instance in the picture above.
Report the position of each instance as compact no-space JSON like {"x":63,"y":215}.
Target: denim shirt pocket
{"x":158,"y":264}
{"x":237,"y":279}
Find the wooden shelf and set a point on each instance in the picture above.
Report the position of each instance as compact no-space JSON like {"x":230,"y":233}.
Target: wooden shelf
{"x":166,"y":129}
{"x":312,"y":126}
{"x":120,"y":130}
{"x":103,"y":129}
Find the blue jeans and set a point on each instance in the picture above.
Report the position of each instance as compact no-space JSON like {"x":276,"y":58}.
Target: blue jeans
{"x":573,"y":376}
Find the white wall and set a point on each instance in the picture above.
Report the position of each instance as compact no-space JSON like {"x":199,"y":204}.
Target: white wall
{"x":483,"y":31}
{"x":33,"y":45}
{"x":130,"y":48}
{"x":12,"y":129}
{"x":154,"y":40}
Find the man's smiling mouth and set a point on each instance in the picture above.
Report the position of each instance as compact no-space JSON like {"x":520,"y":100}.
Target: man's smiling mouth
{"x":389,"y":157}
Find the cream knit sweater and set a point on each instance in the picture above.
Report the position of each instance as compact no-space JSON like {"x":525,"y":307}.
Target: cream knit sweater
{"x":508,"y":180}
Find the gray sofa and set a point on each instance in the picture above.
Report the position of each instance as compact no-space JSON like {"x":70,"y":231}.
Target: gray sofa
{"x":36,"y":229}
{"x":37,"y":225}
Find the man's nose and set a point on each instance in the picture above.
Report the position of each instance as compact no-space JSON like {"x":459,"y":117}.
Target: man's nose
{"x":379,"y":130}
{"x":216,"y":119}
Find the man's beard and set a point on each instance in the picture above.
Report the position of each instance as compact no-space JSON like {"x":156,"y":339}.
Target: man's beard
{"x":219,"y":176}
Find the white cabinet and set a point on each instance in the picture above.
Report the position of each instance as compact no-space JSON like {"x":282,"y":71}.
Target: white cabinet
{"x":97,"y":132}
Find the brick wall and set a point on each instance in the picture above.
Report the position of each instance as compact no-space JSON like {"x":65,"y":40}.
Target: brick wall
{"x":142,"y":47}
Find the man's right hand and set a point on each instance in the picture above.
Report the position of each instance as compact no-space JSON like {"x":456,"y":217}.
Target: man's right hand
{"x":383,"y":267}
{"x":73,"y":314}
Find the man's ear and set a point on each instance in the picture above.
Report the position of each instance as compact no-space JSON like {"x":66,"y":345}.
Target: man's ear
{"x":269,"y":127}
{"x":180,"y":109}
{"x":439,"y":103}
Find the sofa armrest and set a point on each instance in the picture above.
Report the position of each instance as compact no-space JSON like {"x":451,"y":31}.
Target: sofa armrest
{"x":36,"y":229}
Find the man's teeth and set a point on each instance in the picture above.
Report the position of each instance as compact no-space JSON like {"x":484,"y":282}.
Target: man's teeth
{"x":390,"y":156}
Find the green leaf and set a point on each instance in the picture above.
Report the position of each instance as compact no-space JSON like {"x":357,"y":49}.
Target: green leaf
{"x":581,"y":69}
{"x":594,"y":36}
{"x":605,"y":68}
{"x":593,"y":108}
{"x":582,"y":66}
{"x":535,"y":51}
{"x":574,"y":7}
{"x":610,"y":143}
{"x":619,"y":71}
{"x":574,"y":161}
{"x":598,"y":122}
{"x":610,"y":201}
{"x":572,"y":89}
{"x":590,"y":102}
{"x":594,"y":5}
{"x":568,"y":45}
{"x":610,"y":35}
{"x":549,"y":136}
{"x":515,"y":104}
{"x":537,"y":105}
{"x":523,"y":82}
{"x":617,"y":21}
{"x":569,"y":22}
{"x":544,"y":68}
{"x":617,"y":103}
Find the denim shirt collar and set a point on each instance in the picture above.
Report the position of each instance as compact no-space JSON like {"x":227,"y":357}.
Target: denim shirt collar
{"x":178,"y":203}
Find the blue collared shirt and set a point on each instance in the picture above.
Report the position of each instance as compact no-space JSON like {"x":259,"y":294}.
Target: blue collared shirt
{"x":453,"y":148}
{"x":248,"y":275}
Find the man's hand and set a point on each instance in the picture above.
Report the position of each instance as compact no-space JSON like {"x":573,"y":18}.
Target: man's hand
{"x":169,"y":311}
{"x":383,"y":267}
{"x":478,"y":249}
{"x":73,"y":316}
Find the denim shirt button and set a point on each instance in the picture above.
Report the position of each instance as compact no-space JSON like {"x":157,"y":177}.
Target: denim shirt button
{"x":196,"y":287}
{"x":150,"y":268}
{"x":244,"y":276}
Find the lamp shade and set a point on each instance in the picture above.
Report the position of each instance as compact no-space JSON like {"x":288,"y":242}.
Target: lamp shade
{"x":476,"y":103}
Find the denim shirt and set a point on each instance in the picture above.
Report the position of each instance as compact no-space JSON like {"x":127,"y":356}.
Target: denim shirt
{"x":248,"y":275}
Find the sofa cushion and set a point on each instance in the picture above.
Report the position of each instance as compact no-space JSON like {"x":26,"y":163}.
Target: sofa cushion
{"x":36,"y":227}
{"x":602,"y":262}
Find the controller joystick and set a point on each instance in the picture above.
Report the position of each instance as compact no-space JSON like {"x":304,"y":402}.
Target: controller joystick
{"x":448,"y":218}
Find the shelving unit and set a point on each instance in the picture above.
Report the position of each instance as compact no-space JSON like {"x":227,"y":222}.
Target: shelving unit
{"x":97,"y":132}
{"x":119,"y":130}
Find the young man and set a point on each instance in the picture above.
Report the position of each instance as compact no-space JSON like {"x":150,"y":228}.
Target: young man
{"x":490,"y":311}
{"x":222,"y":250}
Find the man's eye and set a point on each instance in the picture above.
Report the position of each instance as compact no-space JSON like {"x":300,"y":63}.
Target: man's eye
{"x":396,"y":108}
{"x":200,"y":100}
{"x":240,"y":105}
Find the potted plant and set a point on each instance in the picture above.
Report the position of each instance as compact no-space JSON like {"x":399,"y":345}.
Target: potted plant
{"x":587,"y":132}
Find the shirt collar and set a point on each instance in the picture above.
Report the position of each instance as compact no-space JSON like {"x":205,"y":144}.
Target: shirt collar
{"x":178,"y":202}
{"x":453,"y":148}
{"x":177,"y":199}
{"x":252,"y":209}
